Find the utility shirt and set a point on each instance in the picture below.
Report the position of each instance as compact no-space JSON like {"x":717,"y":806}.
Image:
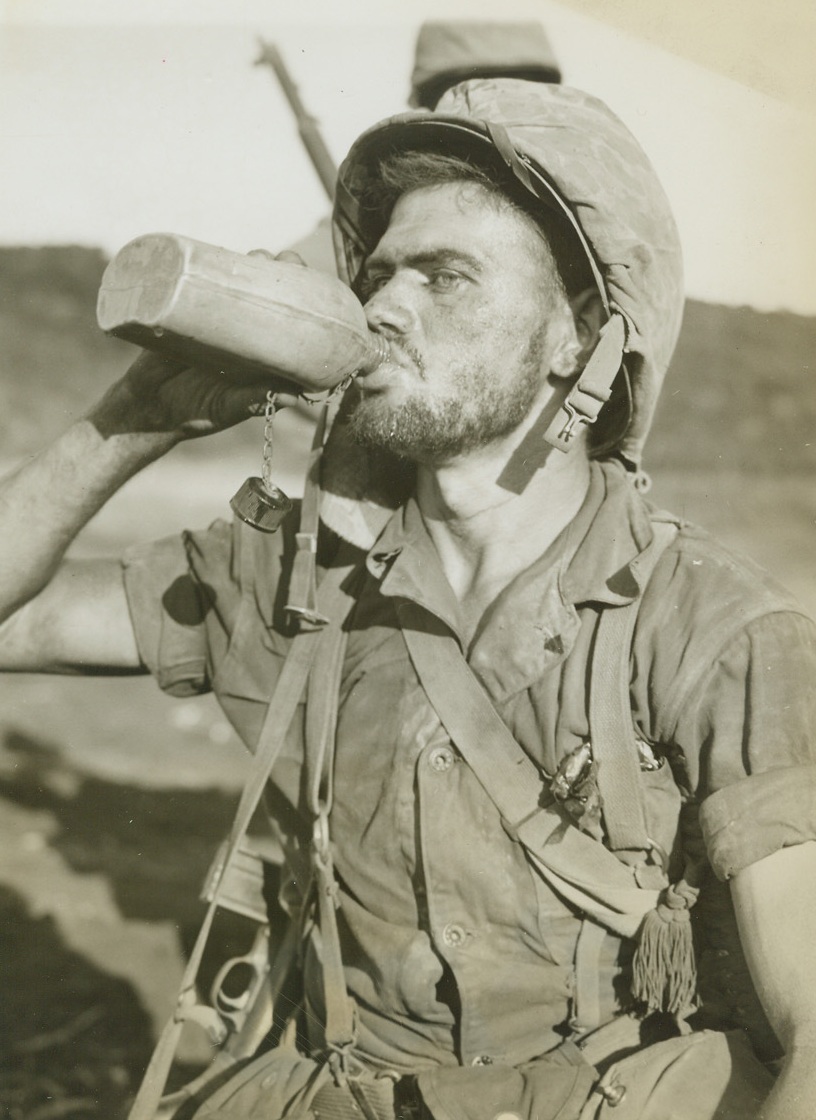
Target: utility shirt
{"x":455,"y":951}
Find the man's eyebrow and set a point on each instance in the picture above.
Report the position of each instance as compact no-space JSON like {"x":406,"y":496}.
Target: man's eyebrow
{"x":440,"y":257}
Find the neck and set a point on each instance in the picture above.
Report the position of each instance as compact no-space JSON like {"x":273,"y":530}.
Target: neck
{"x":486,"y":534}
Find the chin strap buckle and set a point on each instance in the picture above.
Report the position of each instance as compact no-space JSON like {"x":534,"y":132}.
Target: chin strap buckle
{"x":574,"y":418}
{"x":592,"y":390}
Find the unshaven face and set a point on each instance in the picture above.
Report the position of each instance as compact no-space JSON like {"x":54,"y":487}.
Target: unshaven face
{"x":462,"y":285}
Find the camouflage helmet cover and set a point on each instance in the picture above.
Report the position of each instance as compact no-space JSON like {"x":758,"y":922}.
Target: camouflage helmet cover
{"x":576,"y":156}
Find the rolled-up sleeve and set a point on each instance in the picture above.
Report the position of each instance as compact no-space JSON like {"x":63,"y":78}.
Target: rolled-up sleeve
{"x":751,"y":725}
{"x":182,"y":594}
{"x":759,"y":815}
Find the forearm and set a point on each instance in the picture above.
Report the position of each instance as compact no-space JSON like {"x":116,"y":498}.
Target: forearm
{"x":775,"y":904}
{"x":45,"y":502}
{"x":794,"y":1095}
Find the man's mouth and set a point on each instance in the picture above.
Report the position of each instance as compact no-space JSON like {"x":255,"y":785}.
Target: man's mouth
{"x":400,"y":357}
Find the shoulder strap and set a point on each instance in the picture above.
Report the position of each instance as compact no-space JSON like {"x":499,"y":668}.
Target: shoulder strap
{"x":579,"y":868}
{"x":287,"y":694}
{"x":610,"y":710}
{"x":340,"y":1025}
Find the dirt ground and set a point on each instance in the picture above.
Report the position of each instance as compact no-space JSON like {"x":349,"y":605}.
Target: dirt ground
{"x":114,"y":797}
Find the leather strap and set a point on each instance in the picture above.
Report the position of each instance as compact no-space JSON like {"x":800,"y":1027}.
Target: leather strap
{"x":586,"y":999}
{"x":592,"y":389}
{"x":321,"y":725}
{"x":576,"y":866}
{"x":612,"y":735}
{"x":302,"y":600}
{"x":283,"y":705}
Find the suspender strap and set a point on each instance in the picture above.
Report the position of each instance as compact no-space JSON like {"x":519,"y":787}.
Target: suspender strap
{"x":287,"y":694}
{"x":586,"y":998}
{"x":321,"y":726}
{"x":576,"y":866}
{"x":614,"y":748}
{"x":592,"y":389}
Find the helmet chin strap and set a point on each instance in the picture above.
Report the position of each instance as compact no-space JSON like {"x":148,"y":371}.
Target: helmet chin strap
{"x":583,"y":403}
{"x":593,"y":388}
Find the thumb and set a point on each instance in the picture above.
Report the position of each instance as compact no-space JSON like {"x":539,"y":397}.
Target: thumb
{"x":288,"y":256}
{"x":291,"y":257}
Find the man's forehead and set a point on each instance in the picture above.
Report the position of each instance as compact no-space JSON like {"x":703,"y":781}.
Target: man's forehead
{"x":457,"y":196}
{"x":460,"y":213}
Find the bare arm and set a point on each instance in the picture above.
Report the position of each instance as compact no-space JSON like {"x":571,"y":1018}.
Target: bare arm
{"x":775,"y":903}
{"x":74,"y":617}
{"x":79,"y":623}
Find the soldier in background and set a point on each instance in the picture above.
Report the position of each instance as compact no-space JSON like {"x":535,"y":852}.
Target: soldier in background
{"x":447,"y":52}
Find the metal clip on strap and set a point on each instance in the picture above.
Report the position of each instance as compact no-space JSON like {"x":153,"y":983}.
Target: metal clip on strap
{"x":303,"y":582}
{"x":592,"y":389}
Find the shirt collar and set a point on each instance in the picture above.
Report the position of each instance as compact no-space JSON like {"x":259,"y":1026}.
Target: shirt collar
{"x":533,"y":623}
{"x":405,"y":560}
{"x":610,"y":532}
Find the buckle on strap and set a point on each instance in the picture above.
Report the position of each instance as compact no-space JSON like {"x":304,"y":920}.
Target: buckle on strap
{"x":574,"y":418}
{"x":303,"y":584}
{"x":320,"y":835}
{"x":593,"y":388}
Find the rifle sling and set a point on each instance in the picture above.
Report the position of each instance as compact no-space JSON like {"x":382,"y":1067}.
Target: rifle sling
{"x":283,"y":705}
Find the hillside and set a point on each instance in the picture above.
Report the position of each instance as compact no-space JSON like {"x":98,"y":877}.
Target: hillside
{"x":739,"y":395}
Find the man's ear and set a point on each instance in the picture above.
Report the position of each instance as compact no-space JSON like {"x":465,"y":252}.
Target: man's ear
{"x":583,"y":318}
{"x":589,"y":316}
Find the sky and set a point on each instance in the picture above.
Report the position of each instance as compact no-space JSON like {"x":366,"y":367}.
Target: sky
{"x":118,"y":118}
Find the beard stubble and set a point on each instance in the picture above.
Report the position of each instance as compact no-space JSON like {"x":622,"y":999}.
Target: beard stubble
{"x":478,"y":409}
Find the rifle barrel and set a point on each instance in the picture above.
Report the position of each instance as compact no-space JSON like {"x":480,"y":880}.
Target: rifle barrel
{"x":308,"y":127}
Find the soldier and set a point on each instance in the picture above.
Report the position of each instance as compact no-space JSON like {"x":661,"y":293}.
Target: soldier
{"x":549,"y":729}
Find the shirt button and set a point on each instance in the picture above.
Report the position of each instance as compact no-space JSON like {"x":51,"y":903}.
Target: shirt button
{"x":441,"y":759}
{"x":482,"y":1060}
{"x":453,"y":935}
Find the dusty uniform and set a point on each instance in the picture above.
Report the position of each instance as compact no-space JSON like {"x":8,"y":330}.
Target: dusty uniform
{"x":455,"y":951}
{"x":462,"y":962}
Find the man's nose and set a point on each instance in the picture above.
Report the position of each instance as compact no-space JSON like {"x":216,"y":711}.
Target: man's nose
{"x":391,"y":308}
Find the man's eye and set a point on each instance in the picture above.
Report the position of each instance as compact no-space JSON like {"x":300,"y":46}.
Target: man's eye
{"x":371,"y":285}
{"x":445,"y":279}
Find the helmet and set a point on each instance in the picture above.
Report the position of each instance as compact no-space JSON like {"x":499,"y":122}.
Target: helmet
{"x":572,"y":156}
{"x":452,"y":51}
